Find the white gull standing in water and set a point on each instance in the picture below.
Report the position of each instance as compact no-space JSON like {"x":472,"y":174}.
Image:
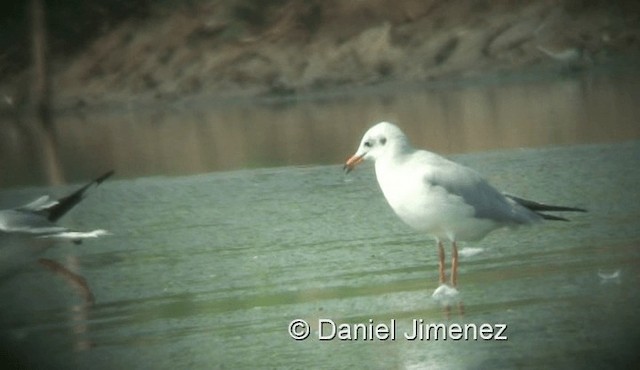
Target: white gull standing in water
{"x":439,"y":197}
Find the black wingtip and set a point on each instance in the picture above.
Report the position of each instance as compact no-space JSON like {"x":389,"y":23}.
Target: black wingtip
{"x":538,"y":208}
{"x":67,"y":203}
{"x":552,"y":217}
{"x":105,"y":176}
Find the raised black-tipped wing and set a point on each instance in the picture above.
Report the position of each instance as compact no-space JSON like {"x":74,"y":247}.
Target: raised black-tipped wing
{"x":67,"y":203}
{"x":52,"y":210}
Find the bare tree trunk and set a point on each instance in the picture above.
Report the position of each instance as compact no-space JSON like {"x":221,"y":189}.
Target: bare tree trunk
{"x":41,"y":95}
{"x":41,"y":84}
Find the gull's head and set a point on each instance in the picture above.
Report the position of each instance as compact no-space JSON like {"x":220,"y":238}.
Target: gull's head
{"x":382,"y":140}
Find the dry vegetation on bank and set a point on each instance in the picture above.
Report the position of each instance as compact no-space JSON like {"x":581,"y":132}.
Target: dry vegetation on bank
{"x":286,"y":47}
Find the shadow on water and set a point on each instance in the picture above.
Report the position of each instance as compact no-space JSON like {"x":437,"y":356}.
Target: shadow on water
{"x":18,"y":254}
{"x":33,"y":147}
{"x":195,"y":139}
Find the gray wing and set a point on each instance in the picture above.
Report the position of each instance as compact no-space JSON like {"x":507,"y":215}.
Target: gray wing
{"x":487,"y":202}
{"x":39,"y":205}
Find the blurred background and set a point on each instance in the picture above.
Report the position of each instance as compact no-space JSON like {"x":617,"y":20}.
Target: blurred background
{"x":178,"y":87}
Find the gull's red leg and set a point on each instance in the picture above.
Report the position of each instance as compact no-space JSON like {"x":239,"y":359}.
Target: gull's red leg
{"x":454,"y":264}
{"x":441,"y":262}
{"x":73,"y":279}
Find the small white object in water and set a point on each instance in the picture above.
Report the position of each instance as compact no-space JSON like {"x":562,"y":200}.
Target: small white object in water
{"x":606,"y":276}
{"x":444,"y":291}
{"x":470,"y":251}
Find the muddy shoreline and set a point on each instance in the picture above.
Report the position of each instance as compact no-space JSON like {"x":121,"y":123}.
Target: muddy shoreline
{"x":301,"y":50}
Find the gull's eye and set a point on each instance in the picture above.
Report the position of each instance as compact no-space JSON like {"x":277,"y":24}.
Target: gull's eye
{"x":367,"y":144}
{"x":383,"y":141}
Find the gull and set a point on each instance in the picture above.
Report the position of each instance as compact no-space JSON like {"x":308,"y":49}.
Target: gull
{"x":39,"y":217}
{"x":439,"y":197}
{"x":28,"y":230}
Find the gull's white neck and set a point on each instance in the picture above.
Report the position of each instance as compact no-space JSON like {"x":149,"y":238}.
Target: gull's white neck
{"x":389,"y":167}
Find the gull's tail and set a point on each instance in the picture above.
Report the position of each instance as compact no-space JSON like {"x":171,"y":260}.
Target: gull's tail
{"x":53,"y":210}
{"x":538,"y":208}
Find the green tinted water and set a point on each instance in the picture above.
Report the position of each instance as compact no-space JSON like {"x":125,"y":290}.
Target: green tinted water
{"x":207,"y":271}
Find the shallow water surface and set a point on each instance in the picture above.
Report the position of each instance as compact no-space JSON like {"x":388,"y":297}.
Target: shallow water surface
{"x":208,"y":271}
